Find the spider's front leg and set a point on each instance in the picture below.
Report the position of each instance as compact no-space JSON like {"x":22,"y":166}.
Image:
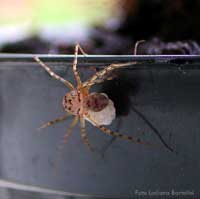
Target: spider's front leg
{"x":76,"y":73}
{"x":99,"y":75}
{"x":54,"y":75}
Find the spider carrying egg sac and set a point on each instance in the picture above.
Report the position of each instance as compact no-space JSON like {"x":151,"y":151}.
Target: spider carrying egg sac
{"x":100,"y":108}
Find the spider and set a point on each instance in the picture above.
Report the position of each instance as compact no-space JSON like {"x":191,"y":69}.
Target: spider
{"x":83,"y":105}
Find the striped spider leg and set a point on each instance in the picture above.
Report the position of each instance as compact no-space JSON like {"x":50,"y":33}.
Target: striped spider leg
{"x":98,"y":77}
{"x":83,"y":105}
{"x":73,"y":94}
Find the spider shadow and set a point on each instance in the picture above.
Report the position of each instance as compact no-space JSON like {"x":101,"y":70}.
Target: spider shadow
{"x":120,"y":90}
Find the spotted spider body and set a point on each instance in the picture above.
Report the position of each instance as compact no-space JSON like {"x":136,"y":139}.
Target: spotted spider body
{"x":79,"y":101}
{"x":96,"y":102}
{"x":96,"y":108}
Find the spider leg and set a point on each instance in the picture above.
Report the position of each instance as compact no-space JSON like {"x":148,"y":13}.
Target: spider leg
{"x":106,"y":77}
{"x":76,"y":74}
{"x":81,"y":49}
{"x":101,"y":73}
{"x":84,"y":134}
{"x":66,"y":136}
{"x":69,"y":130}
{"x":108,"y":69}
{"x":54,"y":75}
{"x":116,"y":134}
{"x":99,"y":81}
{"x":105,"y":148}
{"x":52,"y":122}
{"x":136,"y":46}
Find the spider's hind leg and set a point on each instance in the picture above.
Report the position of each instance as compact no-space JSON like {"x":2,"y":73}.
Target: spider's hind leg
{"x":52,"y":122}
{"x":125,"y":137}
{"x":64,"y":141}
{"x":84,"y":134}
{"x":119,"y":135}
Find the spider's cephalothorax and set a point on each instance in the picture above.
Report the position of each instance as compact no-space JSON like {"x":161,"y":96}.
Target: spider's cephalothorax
{"x":72,"y":102}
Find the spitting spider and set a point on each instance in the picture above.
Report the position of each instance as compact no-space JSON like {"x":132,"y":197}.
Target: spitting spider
{"x":96,"y":108}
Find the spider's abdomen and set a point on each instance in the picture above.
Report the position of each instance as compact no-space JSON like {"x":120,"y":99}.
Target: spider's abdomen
{"x":100,"y":108}
{"x":72,"y":102}
{"x":96,"y":102}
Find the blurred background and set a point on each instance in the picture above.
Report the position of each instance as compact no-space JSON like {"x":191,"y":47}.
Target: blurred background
{"x":101,"y":26}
